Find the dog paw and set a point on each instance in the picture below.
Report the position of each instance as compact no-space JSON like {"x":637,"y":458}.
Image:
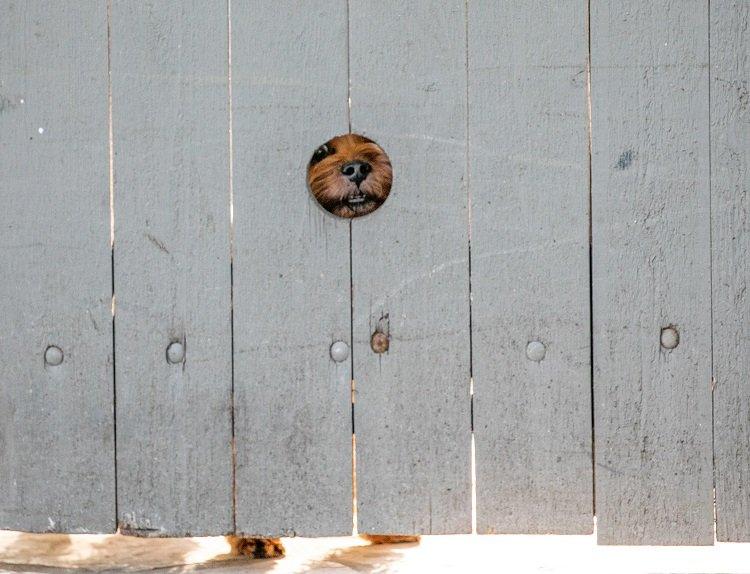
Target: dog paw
{"x":390,"y":538}
{"x":256,"y":547}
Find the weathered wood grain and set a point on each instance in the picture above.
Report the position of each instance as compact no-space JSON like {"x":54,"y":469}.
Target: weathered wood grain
{"x":291,"y":272}
{"x":529,"y":188}
{"x":172,"y":269}
{"x":730,"y":206}
{"x":410,"y":270}
{"x":651,"y":261}
{"x":56,"y":422}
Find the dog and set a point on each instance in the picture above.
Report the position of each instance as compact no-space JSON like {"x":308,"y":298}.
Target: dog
{"x":256,"y":547}
{"x":350,"y":175}
{"x":273,"y":548}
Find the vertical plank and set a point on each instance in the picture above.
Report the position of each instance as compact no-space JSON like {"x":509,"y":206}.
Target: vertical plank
{"x":410,"y":270}
{"x":172,"y":269}
{"x":651,"y":271}
{"x":730,"y":179}
{"x":529,"y":187}
{"x":291,"y":272}
{"x":56,"y":422}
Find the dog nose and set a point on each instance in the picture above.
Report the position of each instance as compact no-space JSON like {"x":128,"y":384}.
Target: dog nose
{"x":356,"y":171}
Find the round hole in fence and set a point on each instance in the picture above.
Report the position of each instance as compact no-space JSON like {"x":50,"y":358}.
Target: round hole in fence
{"x":350,"y":175}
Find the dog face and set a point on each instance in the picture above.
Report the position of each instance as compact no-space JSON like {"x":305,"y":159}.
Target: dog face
{"x":350,"y":175}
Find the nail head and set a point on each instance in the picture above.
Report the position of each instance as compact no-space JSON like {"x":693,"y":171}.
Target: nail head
{"x":339,"y":351}
{"x":379,"y":342}
{"x":670,"y":338}
{"x":53,"y":355}
{"x":535,"y":351}
{"x":175,"y":353}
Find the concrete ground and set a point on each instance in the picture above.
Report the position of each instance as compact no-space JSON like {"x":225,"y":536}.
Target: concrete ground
{"x":53,"y":553}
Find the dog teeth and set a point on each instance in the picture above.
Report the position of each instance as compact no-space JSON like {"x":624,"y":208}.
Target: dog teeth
{"x":356,"y":199}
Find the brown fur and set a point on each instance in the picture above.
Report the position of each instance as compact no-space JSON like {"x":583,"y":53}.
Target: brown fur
{"x":334,"y":191}
{"x":256,"y":547}
{"x":390,"y":538}
{"x":273,"y":548}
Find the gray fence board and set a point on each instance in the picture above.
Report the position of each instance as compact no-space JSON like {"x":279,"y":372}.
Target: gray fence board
{"x":651,"y":270}
{"x":410,"y":271}
{"x":172,"y":269}
{"x":529,"y":188}
{"x":56,"y":422}
{"x":291,"y":272}
{"x":730,"y":181}
{"x":482,"y":106}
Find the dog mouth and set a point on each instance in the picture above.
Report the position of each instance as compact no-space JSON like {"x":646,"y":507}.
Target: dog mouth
{"x":357,"y":203}
{"x":356,"y":198}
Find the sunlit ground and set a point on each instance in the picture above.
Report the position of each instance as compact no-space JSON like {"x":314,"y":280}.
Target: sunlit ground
{"x":463,"y":553}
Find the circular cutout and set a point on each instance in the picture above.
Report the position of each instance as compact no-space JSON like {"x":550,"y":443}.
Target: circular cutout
{"x":350,"y":176}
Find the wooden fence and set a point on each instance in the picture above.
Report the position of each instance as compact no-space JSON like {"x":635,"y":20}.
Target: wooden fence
{"x":561,"y":268}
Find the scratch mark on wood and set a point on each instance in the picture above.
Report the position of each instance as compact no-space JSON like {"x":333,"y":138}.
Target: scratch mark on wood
{"x":156,"y":242}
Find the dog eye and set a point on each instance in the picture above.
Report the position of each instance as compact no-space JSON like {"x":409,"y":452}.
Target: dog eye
{"x":322,"y":152}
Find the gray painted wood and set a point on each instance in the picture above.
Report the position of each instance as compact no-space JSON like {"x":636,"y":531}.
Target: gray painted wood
{"x":172,"y":268}
{"x":56,"y":422}
{"x":410,"y":270}
{"x":529,"y":188}
{"x":650,"y":270}
{"x":291,"y":272}
{"x":730,"y":182}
